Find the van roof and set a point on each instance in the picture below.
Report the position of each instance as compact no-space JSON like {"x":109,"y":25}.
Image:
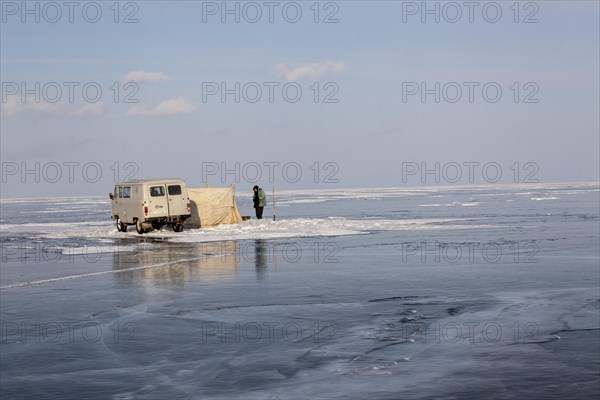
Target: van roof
{"x":152,"y":181}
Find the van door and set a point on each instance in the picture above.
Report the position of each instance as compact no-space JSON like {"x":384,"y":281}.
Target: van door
{"x":158,"y":206}
{"x":177,"y":201}
{"x":128,"y":204}
{"x":114,"y":204}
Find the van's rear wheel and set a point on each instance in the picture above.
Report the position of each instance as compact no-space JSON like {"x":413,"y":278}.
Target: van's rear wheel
{"x":121,"y":227}
{"x":139,"y":227}
{"x":178,"y":227}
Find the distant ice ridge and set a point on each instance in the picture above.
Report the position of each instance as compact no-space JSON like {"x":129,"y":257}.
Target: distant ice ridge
{"x":544,"y":198}
{"x":315,"y":195}
{"x":70,"y":200}
{"x":454,"y":203}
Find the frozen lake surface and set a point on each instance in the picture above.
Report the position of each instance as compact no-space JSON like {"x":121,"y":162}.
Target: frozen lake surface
{"x":449,"y":292}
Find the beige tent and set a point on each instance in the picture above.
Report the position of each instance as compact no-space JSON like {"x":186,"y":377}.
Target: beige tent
{"x":212,"y":206}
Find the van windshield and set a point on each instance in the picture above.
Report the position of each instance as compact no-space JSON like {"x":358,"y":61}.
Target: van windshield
{"x":174,"y":190}
{"x":156,"y":191}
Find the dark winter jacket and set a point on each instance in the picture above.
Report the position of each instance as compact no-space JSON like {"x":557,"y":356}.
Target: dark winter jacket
{"x":259,"y":199}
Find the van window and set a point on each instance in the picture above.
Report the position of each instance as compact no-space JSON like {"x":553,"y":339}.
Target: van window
{"x":156,"y":191}
{"x":116,"y":194}
{"x":174,"y":190}
{"x":120,"y":192}
{"x":126,"y":192}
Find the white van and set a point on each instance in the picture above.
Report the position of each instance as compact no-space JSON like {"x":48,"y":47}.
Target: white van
{"x":150,"y":203}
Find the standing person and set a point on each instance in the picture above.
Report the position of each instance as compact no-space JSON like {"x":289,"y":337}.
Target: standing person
{"x":260,"y":201}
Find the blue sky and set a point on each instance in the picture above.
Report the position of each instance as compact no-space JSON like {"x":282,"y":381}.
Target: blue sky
{"x":170,"y":55}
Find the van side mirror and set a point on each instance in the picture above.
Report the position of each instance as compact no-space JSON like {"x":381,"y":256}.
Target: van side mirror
{"x":111,"y":196}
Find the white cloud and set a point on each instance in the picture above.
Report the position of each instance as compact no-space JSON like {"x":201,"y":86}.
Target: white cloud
{"x":143,"y":76}
{"x":10,"y":107}
{"x":91,"y":110}
{"x":313,"y":71}
{"x":13,"y":105}
{"x":180,"y":105}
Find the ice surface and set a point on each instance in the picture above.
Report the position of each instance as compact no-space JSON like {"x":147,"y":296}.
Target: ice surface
{"x":349,"y":294}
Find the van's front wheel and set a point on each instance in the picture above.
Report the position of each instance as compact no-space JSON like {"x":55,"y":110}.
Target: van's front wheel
{"x":139,"y":227}
{"x":178,"y":227}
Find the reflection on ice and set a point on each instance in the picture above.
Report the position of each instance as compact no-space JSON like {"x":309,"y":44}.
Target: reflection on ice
{"x":176,"y":265}
{"x":261,"y":255}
